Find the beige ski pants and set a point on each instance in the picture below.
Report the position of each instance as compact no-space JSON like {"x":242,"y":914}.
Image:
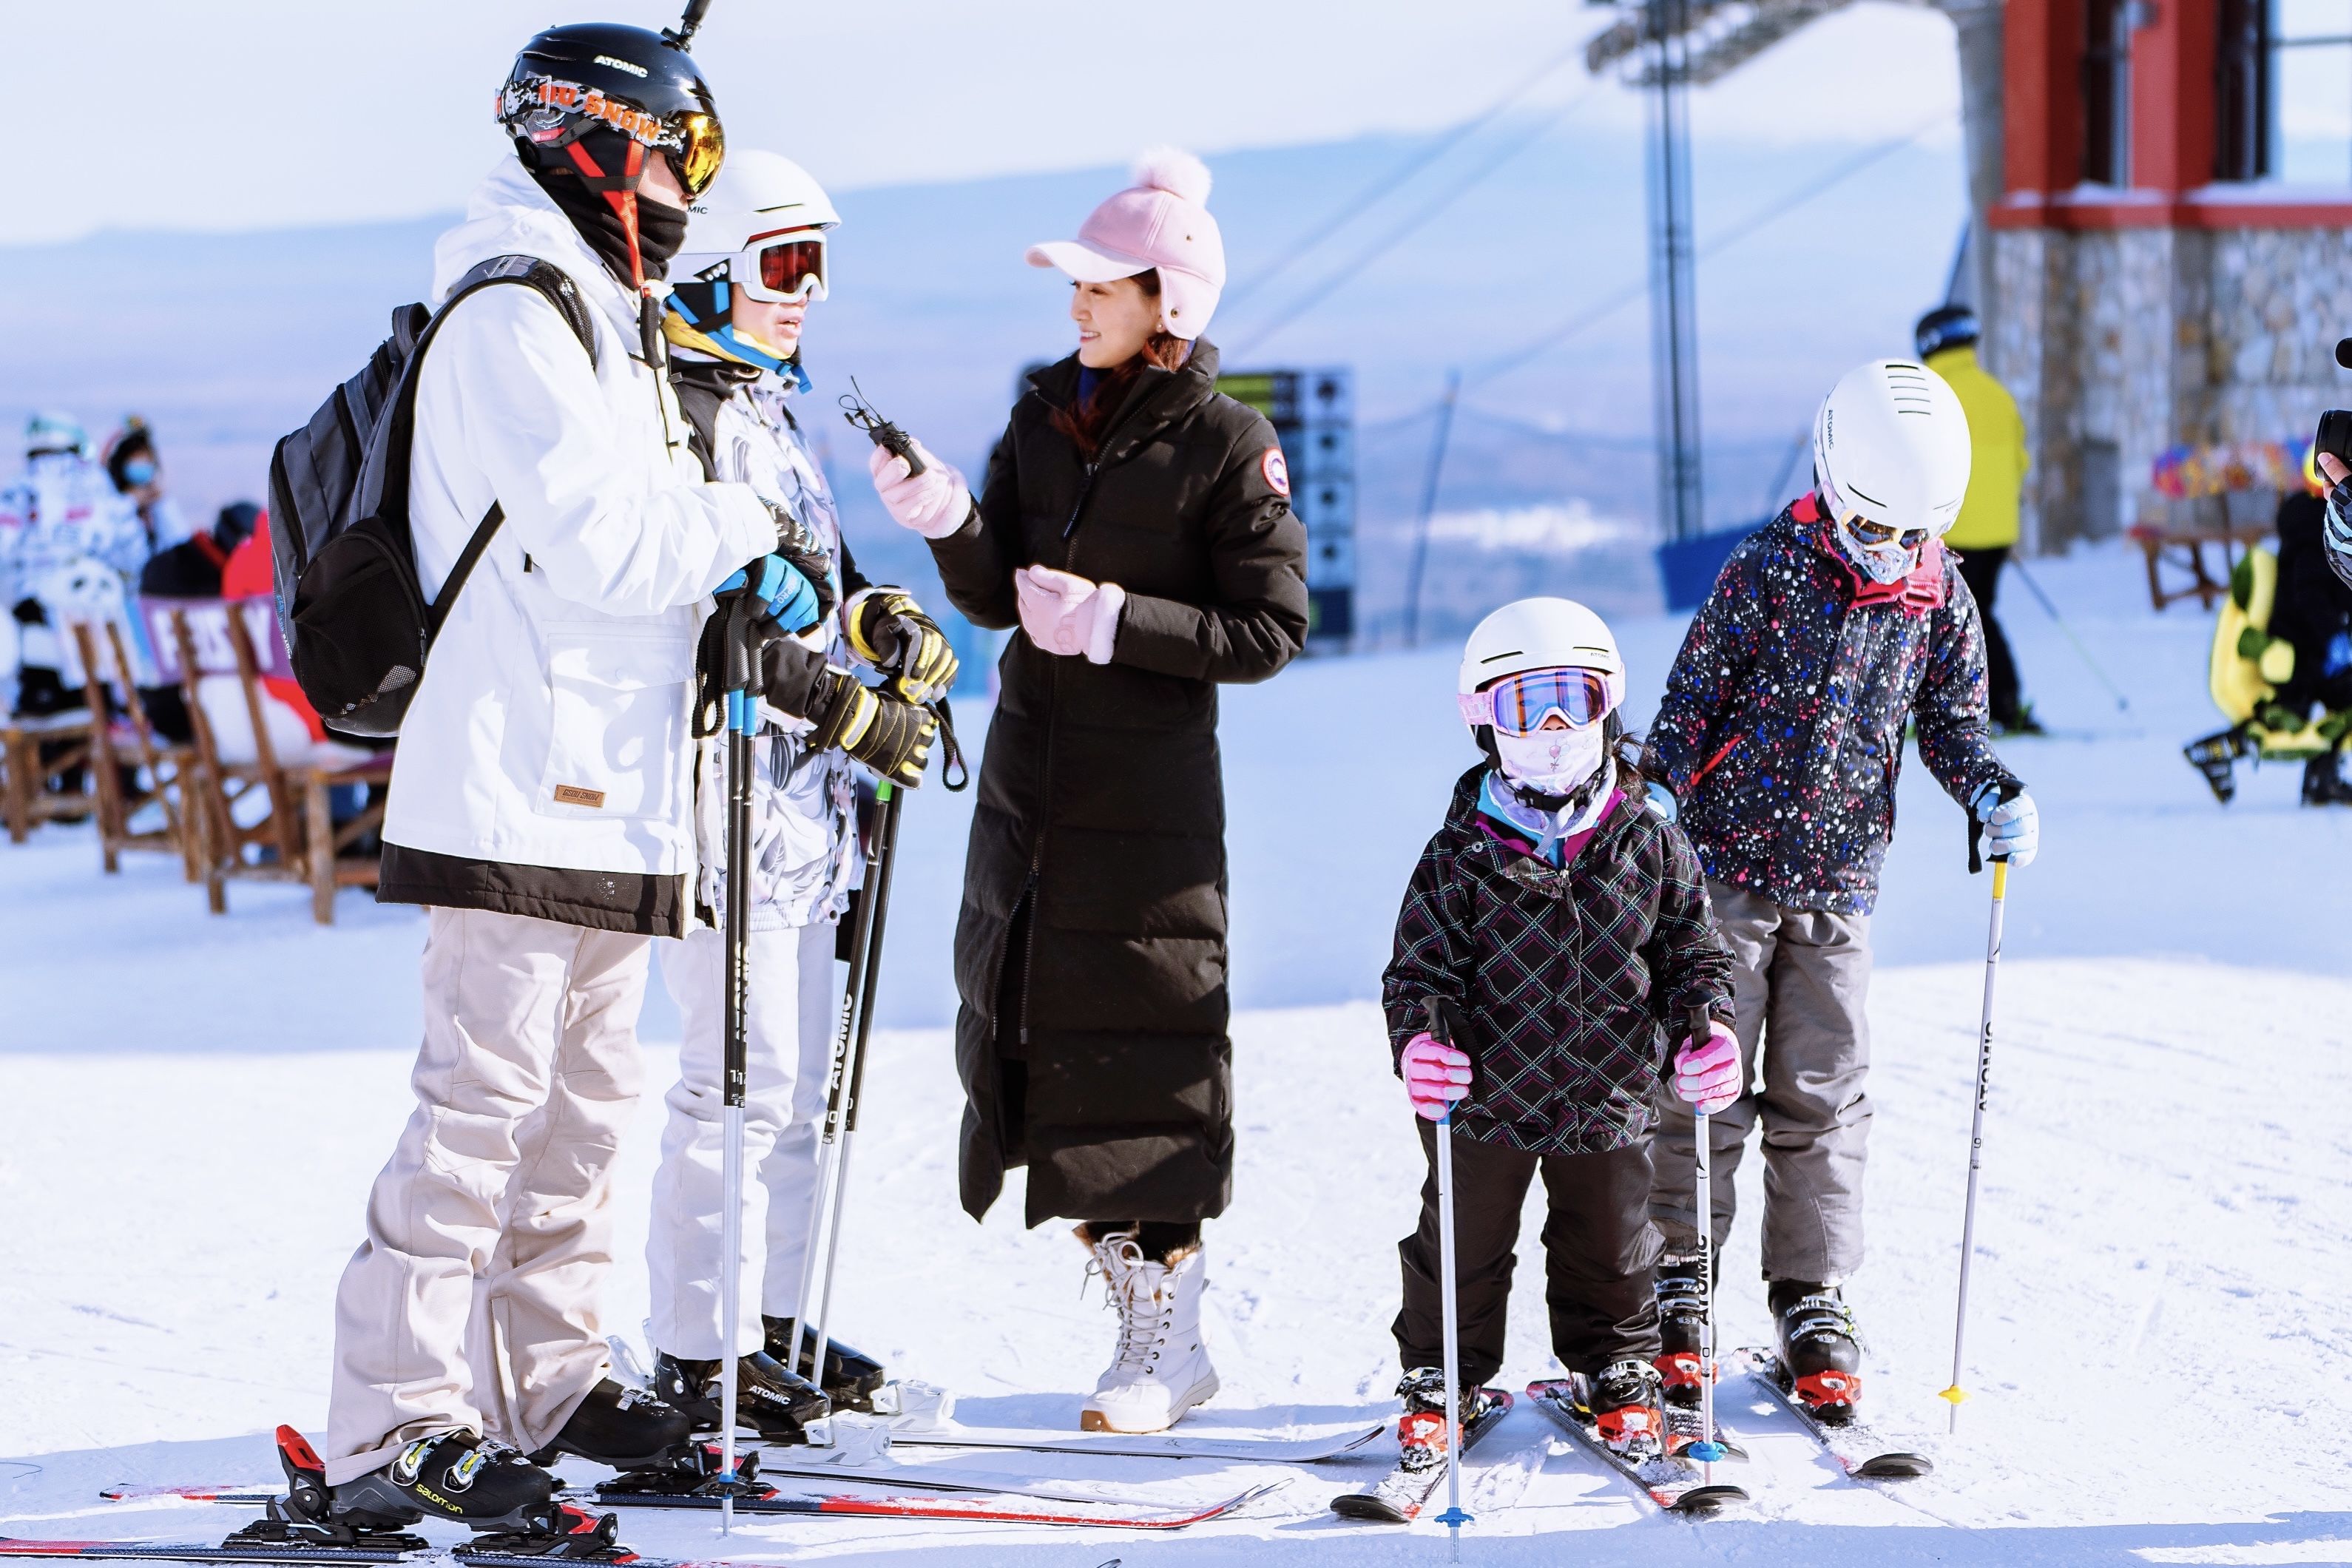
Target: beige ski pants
{"x":473,"y":1301}
{"x":1801,"y":979}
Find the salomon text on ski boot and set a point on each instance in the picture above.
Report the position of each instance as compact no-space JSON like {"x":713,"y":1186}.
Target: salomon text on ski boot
{"x":454,"y":1476}
{"x":851,"y":1380}
{"x":776,"y":1402}
{"x":1682,"y":1322}
{"x":1626,"y":1409}
{"x":1820,"y":1356}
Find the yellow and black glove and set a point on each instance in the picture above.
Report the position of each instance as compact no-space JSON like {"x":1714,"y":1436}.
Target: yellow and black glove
{"x":876,"y":726}
{"x":889,"y":631}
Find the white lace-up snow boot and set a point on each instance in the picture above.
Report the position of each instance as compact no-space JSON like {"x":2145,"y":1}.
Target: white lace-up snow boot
{"x":1162,"y":1369}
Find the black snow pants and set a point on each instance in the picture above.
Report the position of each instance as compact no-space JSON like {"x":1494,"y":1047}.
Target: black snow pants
{"x":1599,"y":1255}
{"x":2003,"y":695}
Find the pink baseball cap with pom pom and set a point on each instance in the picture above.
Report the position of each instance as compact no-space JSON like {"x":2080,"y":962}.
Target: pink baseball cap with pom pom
{"x":1161,"y":221}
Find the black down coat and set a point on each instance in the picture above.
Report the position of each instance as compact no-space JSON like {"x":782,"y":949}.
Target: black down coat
{"x":1091,"y":1038}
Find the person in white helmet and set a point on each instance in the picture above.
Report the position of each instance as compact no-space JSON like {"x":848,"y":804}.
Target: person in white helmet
{"x":1562,"y":932}
{"x":1829,"y":632}
{"x":64,"y":531}
{"x":754,"y":261}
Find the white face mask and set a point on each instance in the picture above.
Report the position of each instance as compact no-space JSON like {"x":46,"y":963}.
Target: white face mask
{"x":1555,"y":762}
{"x":1881,"y":564}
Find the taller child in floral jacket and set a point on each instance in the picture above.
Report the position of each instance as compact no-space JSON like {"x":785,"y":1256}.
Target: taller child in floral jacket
{"x":1562,"y":931}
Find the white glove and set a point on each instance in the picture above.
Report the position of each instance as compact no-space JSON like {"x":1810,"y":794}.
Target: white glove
{"x":934,"y":503}
{"x":2012,"y":826}
{"x":1064,"y":614}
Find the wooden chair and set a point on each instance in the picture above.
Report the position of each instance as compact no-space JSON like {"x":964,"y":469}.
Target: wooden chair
{"x":33,"y":753}
{"x":122,"y":750}
{"x":325,"y":863}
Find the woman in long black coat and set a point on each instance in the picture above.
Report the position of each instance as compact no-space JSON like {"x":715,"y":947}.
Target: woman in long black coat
{"x":1136,"y":526}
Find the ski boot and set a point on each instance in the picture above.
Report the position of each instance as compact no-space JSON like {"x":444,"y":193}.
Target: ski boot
{"x":1821,"y":1357}
{"x":1681,"y":1317}
{"x":627,"y":1428}
{"x":773,"y":1401}
{"x":1423,"y":1435}
{"x":453,"y":1476}
{"x":2323,"y":780}
{"x":851,"y":1380}
{"x":1626,"y":1410}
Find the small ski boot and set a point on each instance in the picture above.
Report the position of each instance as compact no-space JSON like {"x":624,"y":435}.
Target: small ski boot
{"x":1681,"y":1320}
{"x":2323,"y":780}
{"x":627,"y":1428}
{"x":1820,"y":1353}
{"x":1422,"y":1433}
{"x":851,"y":1380}
{"x":1162,"y":1369}
{"x":1626,"y":1409}
{"x":772,"y":1400}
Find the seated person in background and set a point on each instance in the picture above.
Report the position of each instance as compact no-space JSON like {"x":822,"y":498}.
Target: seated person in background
{"x":2313,"y":612}
{"x":190,"y":570}
{"x":138,"y":477}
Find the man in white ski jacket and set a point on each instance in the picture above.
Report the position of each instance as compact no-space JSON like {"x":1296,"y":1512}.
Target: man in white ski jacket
{"x":540,"y":804}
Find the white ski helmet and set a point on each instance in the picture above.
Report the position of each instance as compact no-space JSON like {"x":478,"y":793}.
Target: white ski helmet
{"x":758,"y":198}
{"x":1891,"y":456}
{"x":50,"y":431}
{"x":1538,"y":633}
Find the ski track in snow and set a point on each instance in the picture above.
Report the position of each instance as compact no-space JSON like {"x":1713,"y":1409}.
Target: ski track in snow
{"x":2160,"y":1348}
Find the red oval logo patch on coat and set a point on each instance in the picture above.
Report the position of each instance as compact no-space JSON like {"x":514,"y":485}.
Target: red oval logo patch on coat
{"x":1277,"y":470}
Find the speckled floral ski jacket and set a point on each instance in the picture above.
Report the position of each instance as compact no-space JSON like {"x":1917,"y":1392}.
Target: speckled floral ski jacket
{"x":1781,"y":731}
{"x":1566,"y":983}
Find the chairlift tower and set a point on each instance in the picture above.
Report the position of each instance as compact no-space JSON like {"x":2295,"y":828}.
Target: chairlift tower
{"x":1673,"y":314}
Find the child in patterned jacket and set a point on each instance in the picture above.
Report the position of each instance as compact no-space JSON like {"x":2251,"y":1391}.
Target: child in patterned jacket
{"x":1562,"y":930}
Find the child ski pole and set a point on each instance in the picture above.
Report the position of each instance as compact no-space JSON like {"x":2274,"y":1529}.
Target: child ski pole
{"x":1708,"y":1449}
{"x":1453,"y":1518}
{"x":878,"y":894}
{"x":1956,"y":1394}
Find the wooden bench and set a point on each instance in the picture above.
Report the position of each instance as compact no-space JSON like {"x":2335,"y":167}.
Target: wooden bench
{"x":2181,"y":548}
{"x":34,"y":754}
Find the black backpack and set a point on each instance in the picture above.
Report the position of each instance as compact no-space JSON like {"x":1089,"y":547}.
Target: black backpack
{"x":353,"y":615}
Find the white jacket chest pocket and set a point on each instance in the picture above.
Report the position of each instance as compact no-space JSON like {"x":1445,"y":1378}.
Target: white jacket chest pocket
{"x":619,"y":745}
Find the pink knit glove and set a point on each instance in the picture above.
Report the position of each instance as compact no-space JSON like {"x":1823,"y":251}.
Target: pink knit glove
{"x":1067,"y":615}
{"x":1434,"y":1076}
{"x":933,"y":503}
{"x":1707,"y":1077}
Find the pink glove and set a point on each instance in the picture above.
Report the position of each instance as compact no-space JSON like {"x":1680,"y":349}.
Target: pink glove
{"x":1434,"y":1076}
{"x":1064,"y":614}
{"x":934,"y":503}
{"x":1707,"y":1077}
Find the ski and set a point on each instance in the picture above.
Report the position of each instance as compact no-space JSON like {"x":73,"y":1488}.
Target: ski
{"x":1404,"y":1492}
{"x":1674,"y":1485}
{"x":324,"y":1556}
{"x":1858,"y":1449}
{"x":1146,"y":1445}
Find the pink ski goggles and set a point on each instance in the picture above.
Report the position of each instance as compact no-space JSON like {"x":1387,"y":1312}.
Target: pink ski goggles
{"x":1519,"y":704}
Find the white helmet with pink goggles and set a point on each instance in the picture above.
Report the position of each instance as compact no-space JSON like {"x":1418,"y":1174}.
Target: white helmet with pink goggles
{"x":764,"y":218}
{"x":1534,"y":655}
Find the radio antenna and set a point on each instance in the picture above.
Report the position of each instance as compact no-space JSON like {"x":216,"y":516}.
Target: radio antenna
{"x":681,"y":35}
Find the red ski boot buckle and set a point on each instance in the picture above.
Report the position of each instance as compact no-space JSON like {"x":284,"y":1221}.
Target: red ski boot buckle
{"x":1832,"y":1387}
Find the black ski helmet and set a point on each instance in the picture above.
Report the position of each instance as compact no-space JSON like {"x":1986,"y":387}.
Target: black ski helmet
{"x":1945,"y":327}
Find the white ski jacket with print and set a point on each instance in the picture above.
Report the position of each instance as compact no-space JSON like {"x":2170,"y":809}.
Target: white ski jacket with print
{"x":553,"y":726}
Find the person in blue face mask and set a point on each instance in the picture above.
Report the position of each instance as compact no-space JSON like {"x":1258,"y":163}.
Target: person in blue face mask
{"x":138,"y":477}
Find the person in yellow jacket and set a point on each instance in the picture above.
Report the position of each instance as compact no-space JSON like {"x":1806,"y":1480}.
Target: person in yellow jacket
{"x":1946,"y":338}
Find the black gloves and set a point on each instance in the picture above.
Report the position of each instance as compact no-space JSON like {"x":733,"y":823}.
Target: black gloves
{"x":889,"y":631}
{"x":878,"y":728}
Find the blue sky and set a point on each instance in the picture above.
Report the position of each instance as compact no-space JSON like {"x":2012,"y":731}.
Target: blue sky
{"x":234,"y":114}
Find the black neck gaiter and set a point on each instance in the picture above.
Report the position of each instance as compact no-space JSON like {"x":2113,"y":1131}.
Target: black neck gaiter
{"x":661,"y":228}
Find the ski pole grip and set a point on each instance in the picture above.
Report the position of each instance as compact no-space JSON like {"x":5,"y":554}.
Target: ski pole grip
{"x":2004,"y":793}
{"x":1701,"y":1023}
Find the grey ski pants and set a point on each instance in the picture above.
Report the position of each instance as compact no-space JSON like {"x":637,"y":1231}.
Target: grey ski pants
{"x":473,"y":1301}
{"x":1801,"y":979}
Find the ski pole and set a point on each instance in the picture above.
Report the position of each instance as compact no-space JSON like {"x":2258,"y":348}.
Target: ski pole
{"x":742,"y":723}
{"x":2123,"y":703}
{"x":1708,"y":1449}
{"x":861,"y":947}
{"x":1956,"y":1394}
{"x":1453,"y":1518}
{"x":885,"y":846}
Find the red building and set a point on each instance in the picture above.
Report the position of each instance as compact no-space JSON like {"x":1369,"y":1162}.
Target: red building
{"x":2172,"y":257}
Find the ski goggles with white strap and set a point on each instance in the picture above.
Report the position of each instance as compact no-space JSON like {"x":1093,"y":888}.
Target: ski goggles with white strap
{"x":781,"y":269}
{"x":1519,"y":704}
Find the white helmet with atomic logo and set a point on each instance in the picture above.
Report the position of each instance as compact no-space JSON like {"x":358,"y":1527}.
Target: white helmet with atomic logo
{"x":1891,"y":456}
{"x":1540,"y":634}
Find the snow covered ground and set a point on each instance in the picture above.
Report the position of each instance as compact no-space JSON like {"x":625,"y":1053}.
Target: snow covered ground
{"x":2161,"y":1349}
